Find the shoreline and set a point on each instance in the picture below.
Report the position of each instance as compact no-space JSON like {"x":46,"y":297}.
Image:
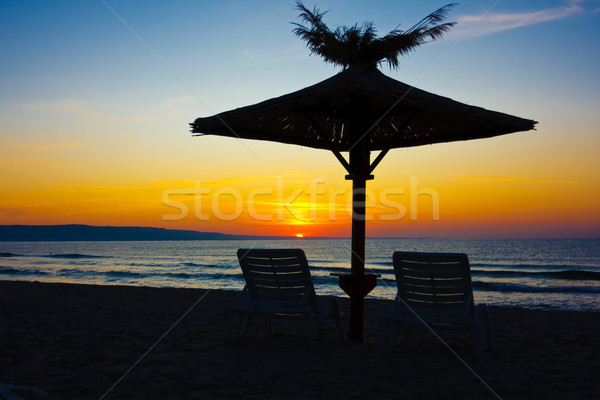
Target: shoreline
{"x":75,"y":341}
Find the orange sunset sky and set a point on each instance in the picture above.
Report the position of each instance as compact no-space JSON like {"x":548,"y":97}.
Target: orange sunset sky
{"x":96,"y":98}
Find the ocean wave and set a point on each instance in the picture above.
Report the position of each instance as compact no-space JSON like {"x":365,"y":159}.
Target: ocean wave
{"x":139,"y":275}
{"x":126,"y":274}
{"x":66,"y":255}
{"x":330,"y":269}
{"x":201,"y":275}
{"x":520,"y":288}
{"x":21,"y":272}
{"x":146,"y":265}
{"x":347,"y":269}
{"x":174,"y":265}
{"x":75,"y":272}
{"x":568,"y":274}
{"x":562,"y":266}
{"x":186,"y":275}
{"x":73,"y":256}
{"x":192,"y":264}
{"x":576,"y":274}
{"x":383,"y":263}
{"x":183,"y":275}
{"x":571,"y":274}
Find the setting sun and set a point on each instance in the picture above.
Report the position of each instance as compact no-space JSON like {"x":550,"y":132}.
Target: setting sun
{"x":299,"y":235}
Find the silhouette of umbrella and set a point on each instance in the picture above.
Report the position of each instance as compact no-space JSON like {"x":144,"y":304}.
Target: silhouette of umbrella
{"x":357,"y":111}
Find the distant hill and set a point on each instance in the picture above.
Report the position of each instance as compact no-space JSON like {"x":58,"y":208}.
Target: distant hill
{"x":75,"y":233}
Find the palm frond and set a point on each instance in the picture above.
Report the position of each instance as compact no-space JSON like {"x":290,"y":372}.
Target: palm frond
{"x":435,"y":17}
{"x":359,"y":45}
{"x":438,"y":31}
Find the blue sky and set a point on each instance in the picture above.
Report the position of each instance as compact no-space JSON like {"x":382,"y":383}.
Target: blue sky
{"x":99,"y":93}
{"x":81,"y":50}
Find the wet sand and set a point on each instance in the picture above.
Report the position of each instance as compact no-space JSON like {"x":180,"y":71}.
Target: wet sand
{"x":77,"y":341}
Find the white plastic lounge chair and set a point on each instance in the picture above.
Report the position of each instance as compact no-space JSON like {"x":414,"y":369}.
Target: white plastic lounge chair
{"x":279,"y":285}
{"x":436,"y":289}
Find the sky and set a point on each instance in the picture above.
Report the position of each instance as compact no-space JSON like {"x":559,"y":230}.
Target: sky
{"x":96,"y":97}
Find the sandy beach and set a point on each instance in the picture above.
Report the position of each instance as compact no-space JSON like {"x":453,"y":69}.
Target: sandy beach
{"x":77,"y":341}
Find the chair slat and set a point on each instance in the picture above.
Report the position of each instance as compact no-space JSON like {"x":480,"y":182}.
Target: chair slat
{"x":434,"y":280}
{"x":435,"y":291}
{"x":274,"y":268}
{"x":433,"y":273}
{"x":433,"y":297}
{"x":437,"y":281}
{"x":278,"y":285}
{"x":437,"y":288}
{"x":275,"y":272}
{"x":270,"y":273}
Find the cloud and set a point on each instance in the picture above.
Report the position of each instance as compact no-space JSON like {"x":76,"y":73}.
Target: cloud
{"x":76,"y":108}
{"x":470,"y":178}
{"x":33,"y":163}
{"x":80,"y":110}
{"x":60,"y":146}
{"x":493,"y":22}
{"x":175,"y":107}
{"x":10,"y":163}
{"x":213,"y":184}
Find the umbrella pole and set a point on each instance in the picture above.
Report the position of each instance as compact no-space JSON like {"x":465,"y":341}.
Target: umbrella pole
{"x":356,"y":284}
{"x":359,"y":186}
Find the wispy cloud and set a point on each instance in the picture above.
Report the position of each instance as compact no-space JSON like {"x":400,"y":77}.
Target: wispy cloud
{"x":213,"y":184}
{"x":81,"y":110}
{"x":175,"y":107}
{"x":470,"y":178}
{"x":9,"y":163}
{"x":33,"y":163}
{"x":74,"y":107}
{"x":60,"y":146}
{"x":498,"y":21}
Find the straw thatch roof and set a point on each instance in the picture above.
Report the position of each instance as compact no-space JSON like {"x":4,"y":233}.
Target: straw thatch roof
{"x":399,"y":116}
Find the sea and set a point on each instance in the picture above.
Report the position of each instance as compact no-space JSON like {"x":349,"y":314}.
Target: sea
{"x":555,"y":274}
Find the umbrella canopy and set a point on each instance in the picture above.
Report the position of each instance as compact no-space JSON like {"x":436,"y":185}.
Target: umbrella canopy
{"x":357,"y":111}
{"x":399,"y":115}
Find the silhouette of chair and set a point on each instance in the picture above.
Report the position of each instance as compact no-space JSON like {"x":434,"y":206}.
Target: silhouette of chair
{"x":279,"y":286}
{"x":436,"y":289}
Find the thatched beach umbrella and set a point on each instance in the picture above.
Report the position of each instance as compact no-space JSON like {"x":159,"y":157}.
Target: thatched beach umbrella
{"x":358,"y":111}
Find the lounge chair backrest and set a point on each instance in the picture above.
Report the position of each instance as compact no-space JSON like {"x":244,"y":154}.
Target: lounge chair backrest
{"x":434,"y":284}
{"x":277,"y":275}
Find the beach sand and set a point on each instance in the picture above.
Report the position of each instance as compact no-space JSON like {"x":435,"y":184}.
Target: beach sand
{"x":77,"y":341}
